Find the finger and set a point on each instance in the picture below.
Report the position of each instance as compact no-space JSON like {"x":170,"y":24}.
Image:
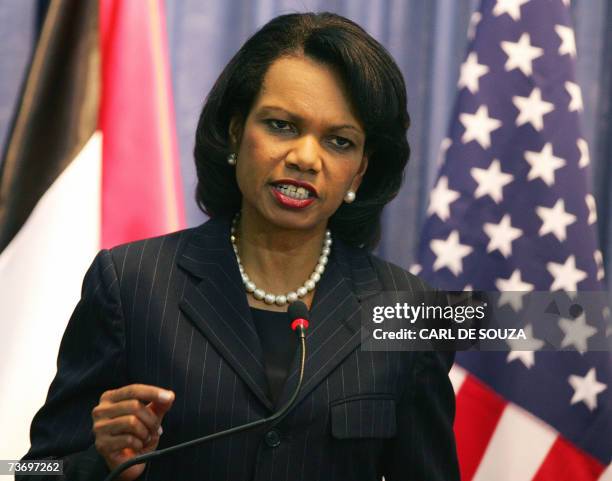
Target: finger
{"x":123,"y":455}
{"x":158,"y":412}
{"x":152,"y":441}
{"x":111,"y":444}
{"x":129,"y":424}
{"x":160,"y":409}
{"x":143,"y":392}
{"x":108,"y":410}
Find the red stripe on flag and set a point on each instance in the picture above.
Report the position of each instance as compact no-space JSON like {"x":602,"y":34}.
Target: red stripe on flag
{"x":478,"y":411}
{"x":565,"y":462}
{"x":141,"y":186}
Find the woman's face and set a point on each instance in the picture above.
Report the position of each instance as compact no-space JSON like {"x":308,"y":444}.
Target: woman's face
{"x":301,"y":147}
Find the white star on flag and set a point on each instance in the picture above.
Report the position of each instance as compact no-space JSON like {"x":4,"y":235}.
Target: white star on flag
{"x":478,"y":126}
{"x":510,"y":290}
{"x":471,"y":71}
{"x":450,"y":253}
{"x":598,"y":258}
{"x":502,"y":235}
{"x":568,"y":41}
{"x":415,"y":269}
{"x":444,"y":146}
{"x":565,"y":276}
{"x":532,"y":109}
{"x":441,"y":198}
{"x":576,"y":332}
{"x":543,"y":164}
{"x":474,"y":21}
{"x":521,"y":54}
{"x":592,"y":206}
{"x":586,"y":389}
{"x":575,"y":94}
{"x":583,"y":147}
{"x":555,"y":220}
{"x":511,"y":7}
{"x":491,"y":181}
{"x":526,"y":355}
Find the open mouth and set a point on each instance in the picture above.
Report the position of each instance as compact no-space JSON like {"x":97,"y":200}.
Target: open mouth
{"x":293,"y":191}
{"x":292,"y":194}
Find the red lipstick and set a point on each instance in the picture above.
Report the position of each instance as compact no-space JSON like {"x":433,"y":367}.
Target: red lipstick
{"x":291,"y":202}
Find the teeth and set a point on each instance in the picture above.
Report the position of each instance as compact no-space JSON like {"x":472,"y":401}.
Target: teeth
{"x":292,"y":191}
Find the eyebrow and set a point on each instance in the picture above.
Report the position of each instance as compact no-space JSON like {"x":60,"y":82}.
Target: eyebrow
{"x":297,"y":118}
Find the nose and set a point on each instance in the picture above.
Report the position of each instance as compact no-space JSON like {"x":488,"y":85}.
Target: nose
{"x":304,"y":155}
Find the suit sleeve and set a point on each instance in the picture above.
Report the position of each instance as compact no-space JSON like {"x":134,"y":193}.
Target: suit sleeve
{"x":91,"y":360}
{"x":424,"y":448}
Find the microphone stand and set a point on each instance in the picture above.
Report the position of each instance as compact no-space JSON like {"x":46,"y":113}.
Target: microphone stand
{"x":277,"y":416}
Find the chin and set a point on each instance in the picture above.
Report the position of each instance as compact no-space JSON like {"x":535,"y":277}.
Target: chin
{"x":297,"y":221}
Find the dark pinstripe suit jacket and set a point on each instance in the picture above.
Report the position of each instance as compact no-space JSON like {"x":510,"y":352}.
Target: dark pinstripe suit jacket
{"x":171,"y":311}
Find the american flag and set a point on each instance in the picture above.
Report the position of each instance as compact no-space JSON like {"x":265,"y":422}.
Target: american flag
{"x":511,"y":211}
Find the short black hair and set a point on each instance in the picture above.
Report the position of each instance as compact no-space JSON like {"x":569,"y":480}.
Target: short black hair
{"x":376,"y":90}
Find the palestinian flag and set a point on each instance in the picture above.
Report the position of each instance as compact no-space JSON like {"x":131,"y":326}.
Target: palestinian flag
{"x":91,"y":162}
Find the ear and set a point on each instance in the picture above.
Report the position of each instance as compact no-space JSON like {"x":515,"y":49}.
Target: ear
{"x":235,"y":132}
{"x":360,"y":173}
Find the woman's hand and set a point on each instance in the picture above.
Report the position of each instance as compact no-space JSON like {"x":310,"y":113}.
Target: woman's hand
{"x":127,"y":422}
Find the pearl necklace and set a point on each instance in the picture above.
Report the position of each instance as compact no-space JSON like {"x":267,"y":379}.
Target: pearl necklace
{"x":292,"y":296}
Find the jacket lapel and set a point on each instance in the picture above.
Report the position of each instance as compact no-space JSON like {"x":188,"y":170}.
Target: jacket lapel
{"x":217,"y":304}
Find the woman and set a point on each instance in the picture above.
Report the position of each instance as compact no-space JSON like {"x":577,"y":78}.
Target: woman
{"x":301,"y":143}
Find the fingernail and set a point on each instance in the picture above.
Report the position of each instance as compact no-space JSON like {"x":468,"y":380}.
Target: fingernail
{"x":148,"y":439}
{"x":160,"y":431}
{"x":165,"y":396}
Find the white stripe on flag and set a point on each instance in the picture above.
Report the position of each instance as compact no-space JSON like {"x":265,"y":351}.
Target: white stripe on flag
{"x":517,"y":448}
{"x":41,"y":272}
{"x":457,"y":376}
{"x":607,"y":474}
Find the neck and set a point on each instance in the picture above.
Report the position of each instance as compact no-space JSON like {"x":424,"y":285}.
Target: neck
{"x":277,"y":260}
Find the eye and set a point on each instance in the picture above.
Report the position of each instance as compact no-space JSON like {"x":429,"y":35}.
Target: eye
{"x":341,"y":143}
{"x":279,"y":125}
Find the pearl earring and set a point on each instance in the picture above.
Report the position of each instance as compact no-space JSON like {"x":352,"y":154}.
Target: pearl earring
{"x":231,"y":159}
{"x":349,"y":197}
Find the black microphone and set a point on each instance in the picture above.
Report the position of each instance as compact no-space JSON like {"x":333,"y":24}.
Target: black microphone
{"x":298,"y":314}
